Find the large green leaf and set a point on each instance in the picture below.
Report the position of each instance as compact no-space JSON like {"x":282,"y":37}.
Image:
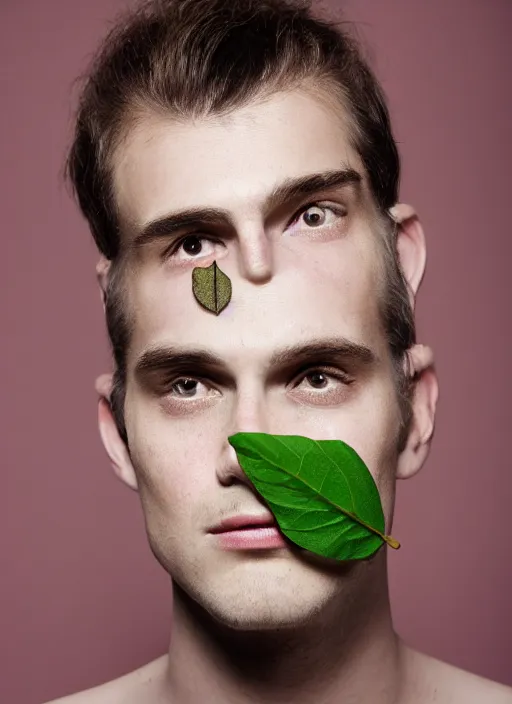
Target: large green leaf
{"x":321,"y":493}
{"x":211,"y":287}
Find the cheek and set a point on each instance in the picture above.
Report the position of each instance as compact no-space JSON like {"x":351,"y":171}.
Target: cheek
{"x":376,"y":441}
{"x":376,"y":432}
{"x":370,"y":425}
{"x":170,"y":459}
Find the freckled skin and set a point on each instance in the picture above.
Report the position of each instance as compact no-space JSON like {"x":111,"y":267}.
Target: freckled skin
{"x":297,"y":275}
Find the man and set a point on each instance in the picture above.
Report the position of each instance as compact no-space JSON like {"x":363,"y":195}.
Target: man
{"x":249,"y":134}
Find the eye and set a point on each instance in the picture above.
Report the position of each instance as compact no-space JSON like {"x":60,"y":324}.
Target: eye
{"x":318,"y":380}
{"x":185,"y":387}
{"x":187,"y":395}
{"x":190,"y":247}
{"x":324,"y":386}
{"x":316,"y":215}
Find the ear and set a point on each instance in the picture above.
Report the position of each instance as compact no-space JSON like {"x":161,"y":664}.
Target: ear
{"x":102,"y":268}
{"x":112,"y":442}
{"x":424,"y":401}
{"x":411,"y":246}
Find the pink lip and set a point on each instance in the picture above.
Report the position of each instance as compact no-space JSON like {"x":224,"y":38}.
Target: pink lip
{"x":249,"y":533}
{"x":244,"y":521}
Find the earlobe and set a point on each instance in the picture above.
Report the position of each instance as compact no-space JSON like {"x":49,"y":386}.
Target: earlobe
{"x":112,"y":442}
{"x":411,"y":246}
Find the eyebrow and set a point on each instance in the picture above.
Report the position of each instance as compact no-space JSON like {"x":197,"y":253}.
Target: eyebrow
{"x":176,"y":359}
{"x":290,"y":189}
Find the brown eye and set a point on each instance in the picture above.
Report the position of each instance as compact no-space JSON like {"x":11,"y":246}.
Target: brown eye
{"x":314,"y":216}
{"x":317,"y":379}
{"x":192,"y":245}
{"x":322,"y":387}
{"x":317,"y":216}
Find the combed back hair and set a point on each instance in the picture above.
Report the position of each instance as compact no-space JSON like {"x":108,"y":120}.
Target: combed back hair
{"x":190,"y":59}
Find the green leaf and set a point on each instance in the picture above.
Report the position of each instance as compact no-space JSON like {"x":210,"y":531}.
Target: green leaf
{"x":321,"y":493}
{"x":211,"y":287}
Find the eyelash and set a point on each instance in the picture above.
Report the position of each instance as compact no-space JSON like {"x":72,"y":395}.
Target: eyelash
{"x":172,"y":249}
{"x":328,"y":372}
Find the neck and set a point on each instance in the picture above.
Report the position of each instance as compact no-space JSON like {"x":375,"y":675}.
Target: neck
{"x":349,"y":652}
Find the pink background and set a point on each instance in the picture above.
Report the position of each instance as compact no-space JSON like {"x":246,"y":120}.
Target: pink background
{"x":82,"y":598}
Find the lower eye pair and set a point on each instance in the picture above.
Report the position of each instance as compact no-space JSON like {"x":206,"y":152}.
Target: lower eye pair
{"x":189,"y":385}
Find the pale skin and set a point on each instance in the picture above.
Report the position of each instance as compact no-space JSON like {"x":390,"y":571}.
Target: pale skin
{"x":265,"y":626}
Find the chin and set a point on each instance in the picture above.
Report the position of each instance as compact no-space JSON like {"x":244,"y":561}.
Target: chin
{"x":260,"y":617}
{"x":262,"y":606}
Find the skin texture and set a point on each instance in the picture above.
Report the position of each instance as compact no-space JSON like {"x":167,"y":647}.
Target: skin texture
{"x":276,"y":625}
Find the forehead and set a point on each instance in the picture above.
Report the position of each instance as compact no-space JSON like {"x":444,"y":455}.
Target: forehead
{"x":231,"y":161}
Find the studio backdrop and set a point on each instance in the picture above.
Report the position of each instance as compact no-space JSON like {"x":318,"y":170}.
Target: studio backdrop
{"x":82,"y":598}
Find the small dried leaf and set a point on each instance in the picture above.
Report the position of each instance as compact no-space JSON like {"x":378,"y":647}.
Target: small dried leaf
{"x":211,"y":287}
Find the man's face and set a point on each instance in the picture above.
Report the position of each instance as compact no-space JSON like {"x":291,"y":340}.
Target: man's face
{"x":299,"y":277}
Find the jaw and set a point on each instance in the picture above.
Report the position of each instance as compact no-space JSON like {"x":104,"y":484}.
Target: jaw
{"x":297,"y":592}
{"x":264,"y":655}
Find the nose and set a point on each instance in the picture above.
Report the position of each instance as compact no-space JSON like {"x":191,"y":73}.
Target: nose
{"x":249,"y":417}
{"x":256,"y":256}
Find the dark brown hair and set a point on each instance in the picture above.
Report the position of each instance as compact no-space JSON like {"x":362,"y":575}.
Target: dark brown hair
{"x":194,"y":58}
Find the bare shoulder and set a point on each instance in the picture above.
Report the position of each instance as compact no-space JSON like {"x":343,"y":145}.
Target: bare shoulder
{"x":432,"y":680}
{"x":131,"y":688}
